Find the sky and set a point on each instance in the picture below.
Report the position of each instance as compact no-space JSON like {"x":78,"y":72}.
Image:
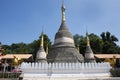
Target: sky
{"x":23,"y":20}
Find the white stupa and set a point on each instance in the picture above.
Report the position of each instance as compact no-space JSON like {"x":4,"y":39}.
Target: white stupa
{"x":41,"y":54}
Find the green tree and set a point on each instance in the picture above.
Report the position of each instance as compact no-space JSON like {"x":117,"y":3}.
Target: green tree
{"x":20,"y":48}
{"x":108,"y":37}
{"x":96,"y":43}
{"x":77,"y":39}
{"x":109,"y":43}
{"x":7,"y":49}
{"x":17,"y":48}
{"x":80,"y":42}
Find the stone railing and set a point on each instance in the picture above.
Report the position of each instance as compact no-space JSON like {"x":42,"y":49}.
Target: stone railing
{"x":83,"y":69}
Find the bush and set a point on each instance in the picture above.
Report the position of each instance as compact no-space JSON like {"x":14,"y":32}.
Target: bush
{"x":9,"y":75}
{"x":115,"y":72}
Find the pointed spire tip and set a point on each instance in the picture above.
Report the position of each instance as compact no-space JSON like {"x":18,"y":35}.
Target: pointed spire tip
{"x":42,"y":38}
{"x":63,"y":11}
{"x":87,"y":37}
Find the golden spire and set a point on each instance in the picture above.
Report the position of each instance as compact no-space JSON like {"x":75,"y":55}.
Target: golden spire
{"x":88,"y":41}
{"x":63,"y":11}
{"x":42,"y":39}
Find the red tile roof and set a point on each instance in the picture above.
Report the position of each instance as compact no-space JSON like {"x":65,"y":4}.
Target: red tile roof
{"x":107,"y":55}
{"x":22,"y":56}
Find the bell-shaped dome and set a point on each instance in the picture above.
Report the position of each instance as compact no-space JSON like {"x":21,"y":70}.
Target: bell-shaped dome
{"x":41,"y":54}
{"x":63,"y":49}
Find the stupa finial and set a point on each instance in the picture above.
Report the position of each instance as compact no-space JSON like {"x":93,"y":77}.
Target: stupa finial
{"x":42,"y":38}
{"x":63,"y":11}
{"x":87,"y":38}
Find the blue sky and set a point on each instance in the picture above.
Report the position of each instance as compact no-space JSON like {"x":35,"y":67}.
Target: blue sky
{"x":22,"y":20}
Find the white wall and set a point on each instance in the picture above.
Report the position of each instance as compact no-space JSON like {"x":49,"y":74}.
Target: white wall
{"x":74,"y":70}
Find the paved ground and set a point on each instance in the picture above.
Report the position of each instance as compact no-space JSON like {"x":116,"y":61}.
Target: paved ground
{"x":105,"y":78}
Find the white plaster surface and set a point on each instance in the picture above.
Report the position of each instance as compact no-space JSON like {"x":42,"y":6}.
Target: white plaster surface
{"x":64,"y":39}
{"x":64,"y":71}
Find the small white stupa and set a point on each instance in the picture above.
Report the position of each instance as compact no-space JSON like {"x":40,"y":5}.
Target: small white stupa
{"x":41,"y":54}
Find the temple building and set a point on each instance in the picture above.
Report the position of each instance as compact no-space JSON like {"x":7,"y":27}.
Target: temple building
{"x":63,"y":49}
{"x":89,"y":56}
{"x":41,"y":54}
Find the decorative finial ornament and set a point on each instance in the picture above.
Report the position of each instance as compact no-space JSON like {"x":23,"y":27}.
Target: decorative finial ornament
{"x":88,"y":41}
{"x":63,"y":11}
{"x":42,"y":39}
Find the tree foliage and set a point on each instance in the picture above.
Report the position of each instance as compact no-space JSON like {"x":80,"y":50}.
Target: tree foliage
{"x":109,"y":43}
{"x":22,"y":48}
{"x":17,"y":48}
{"x":96,"y":43}
{"x":80,"y":42}
{"x":105,"y":43}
